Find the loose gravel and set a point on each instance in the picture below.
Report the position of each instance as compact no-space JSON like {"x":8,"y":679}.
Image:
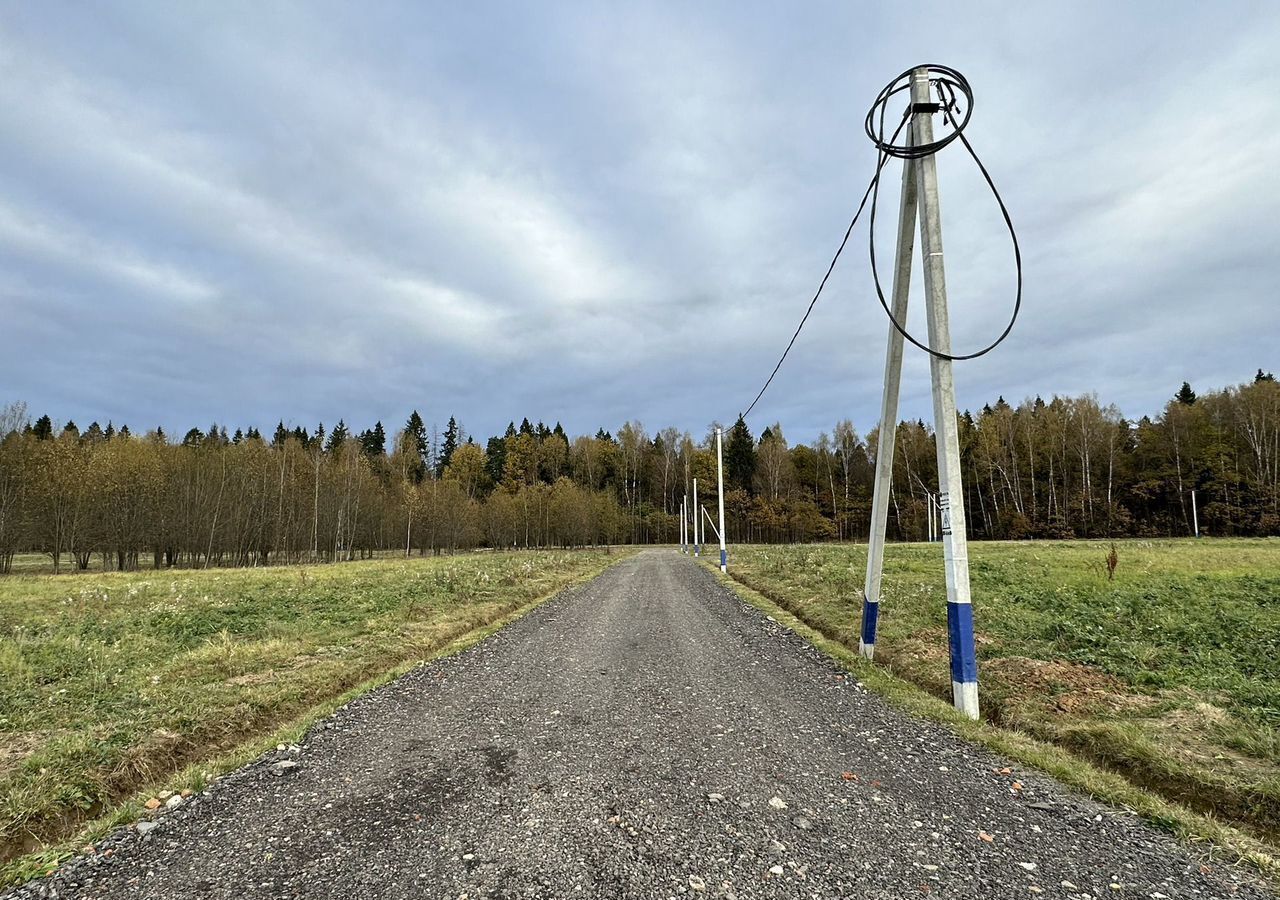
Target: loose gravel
{"x":644,"y":735}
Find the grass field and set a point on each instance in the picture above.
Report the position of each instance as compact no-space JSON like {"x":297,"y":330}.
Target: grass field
{"x":112,"y":683}
{"x":1170,"y":674}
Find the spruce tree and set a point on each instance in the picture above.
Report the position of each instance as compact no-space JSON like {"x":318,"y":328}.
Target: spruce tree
{"x":338,"y":437}
{"x":71,"y":428}
{"x":281,"y":435}
{"x":1185,"y":395}
{"x":740,"y":456}
{"x":43,"y":429}
{"x":374,"y":441}
{"x":448,"y":447}
{"x":495,"y":453}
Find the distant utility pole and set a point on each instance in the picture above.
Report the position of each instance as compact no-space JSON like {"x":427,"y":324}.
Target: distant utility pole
{"x":724,"y":550}
{"x":682,"y":524}
{"x":920,"y":195}
{"x":697,"y":545}
{"x":684,"y":521}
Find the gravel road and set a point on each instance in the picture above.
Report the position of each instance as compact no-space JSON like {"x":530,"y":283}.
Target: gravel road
{"x":644,"y":735}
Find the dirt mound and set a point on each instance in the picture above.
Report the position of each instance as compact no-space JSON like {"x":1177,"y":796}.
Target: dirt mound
{"x":1062,"y":686}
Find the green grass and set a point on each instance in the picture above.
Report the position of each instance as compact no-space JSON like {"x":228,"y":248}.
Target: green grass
{"x":1169,"y":675}
{"x":112,"y":683}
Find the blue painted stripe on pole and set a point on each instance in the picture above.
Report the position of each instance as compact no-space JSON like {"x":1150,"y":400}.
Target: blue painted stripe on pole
{"x":724,"y":558}
{"x":964,"y":660}
{"x":870,"y":613}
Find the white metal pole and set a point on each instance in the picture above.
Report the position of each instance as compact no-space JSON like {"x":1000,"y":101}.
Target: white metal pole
{"x":964,"y":663}
{"x":724,"y":548}
{"x":697,"y":545}
{"x":682,"y":524}
{"x":888,"y":414}
{"x":1195,"y":515}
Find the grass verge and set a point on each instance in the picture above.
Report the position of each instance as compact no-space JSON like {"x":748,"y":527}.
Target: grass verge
{"x":114,"y":686}
{"x":1062,"y":760}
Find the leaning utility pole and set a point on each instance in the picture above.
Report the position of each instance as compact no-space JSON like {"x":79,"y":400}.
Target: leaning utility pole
{"x":920,"y":192}
{"x":724,"y":550}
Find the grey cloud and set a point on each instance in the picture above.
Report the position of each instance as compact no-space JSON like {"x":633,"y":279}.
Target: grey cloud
{"x":245,"y":213}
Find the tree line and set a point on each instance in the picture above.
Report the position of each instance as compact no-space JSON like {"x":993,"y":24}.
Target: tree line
{"x":1069,"y":467}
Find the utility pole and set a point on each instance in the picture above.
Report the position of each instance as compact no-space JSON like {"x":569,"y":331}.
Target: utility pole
{"x":1195,"y":515}
{"x":682,"y":524}
{"x":920,"y":192}
{"x":724,"y":550}
{"x":889,"y":413}
{"x":697,"y":545}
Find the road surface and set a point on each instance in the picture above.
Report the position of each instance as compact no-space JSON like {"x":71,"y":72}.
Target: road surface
{"x":644,"y":735}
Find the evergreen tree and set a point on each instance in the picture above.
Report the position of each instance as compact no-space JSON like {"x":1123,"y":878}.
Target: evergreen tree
{"x":317,"y":440}
{"x":1263,"y":376}
{"x":496,"y":456}
{"x":1185,"y":395}
{"x":93,"y":433}
{"x":193,"y":438}
{"x":374,"y":441}
{"x":110,"y":432}
{"x":448,"y":447}
{"x":740,"y":456}
{"x":338,"y":437}
{"x":415,"y":430}
{"x":71,"y":428}
{"x":525,"y":427}
{"x":281,"y":435}
{"x":238,"y":437}
{"x":511,"y":430}
{"x":125,"y":432}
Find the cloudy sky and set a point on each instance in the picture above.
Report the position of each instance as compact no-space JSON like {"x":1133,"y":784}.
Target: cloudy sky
{"x":591,"y":212}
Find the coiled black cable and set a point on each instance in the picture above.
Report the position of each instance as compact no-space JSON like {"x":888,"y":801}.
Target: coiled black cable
{"x":949,"y":85}
{"x":947,"y":82}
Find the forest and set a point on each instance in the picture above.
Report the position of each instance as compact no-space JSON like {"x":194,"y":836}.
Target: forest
{"x":1069,"y":467}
